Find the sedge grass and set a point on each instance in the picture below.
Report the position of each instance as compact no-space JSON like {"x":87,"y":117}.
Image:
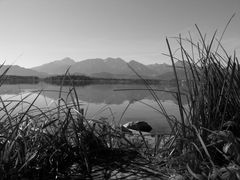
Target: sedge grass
{"x":213,"y":104}
{"x":60,"y":143}
{"x":205,"y":143}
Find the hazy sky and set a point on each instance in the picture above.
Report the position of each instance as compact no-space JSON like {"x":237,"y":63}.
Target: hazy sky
{"x":33,"y":32}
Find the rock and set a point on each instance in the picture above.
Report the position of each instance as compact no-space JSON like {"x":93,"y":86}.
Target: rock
{"x":125,"y":130}
{"x":138,"y":126}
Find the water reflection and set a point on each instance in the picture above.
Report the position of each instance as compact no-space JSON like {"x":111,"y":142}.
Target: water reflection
{"x":102,"y":101}
{"x":96,"y":93}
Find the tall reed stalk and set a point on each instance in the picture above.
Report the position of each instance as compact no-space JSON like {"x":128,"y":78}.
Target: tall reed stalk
{"x":213,"y":86}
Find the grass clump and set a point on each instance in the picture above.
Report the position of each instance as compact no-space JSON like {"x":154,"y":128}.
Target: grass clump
{"x":205,"y":141}
{"x":209,"y":127}
{"x":60,"y":143}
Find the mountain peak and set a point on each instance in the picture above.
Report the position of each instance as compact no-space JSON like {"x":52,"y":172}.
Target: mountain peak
{"x":135,"y":62}
{"x":55,"y":67}
{"x":109,"y":59}
{"x":66,"y":60}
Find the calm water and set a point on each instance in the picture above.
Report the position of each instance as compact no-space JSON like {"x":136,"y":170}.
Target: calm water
{"x":103,"y":101}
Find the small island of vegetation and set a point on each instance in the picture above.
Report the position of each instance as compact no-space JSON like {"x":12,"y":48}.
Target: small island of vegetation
{"x":80,"y":80}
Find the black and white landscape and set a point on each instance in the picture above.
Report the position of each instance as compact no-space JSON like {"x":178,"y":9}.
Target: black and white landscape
{"x":119,"y":89}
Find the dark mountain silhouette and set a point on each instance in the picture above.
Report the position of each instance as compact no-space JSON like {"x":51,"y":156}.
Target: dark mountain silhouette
{"x":168,"y":76}
{"x":109,"y":65}
{"x":142,"y":69}
{"x":160,"y":68}
{"x":95,"y":66}
{"x":115,"y":68}
{"x":55,"y":67}
{"x":20,"y":71}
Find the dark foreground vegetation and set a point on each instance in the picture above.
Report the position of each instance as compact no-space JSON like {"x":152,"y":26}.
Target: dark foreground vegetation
{"x":204,"y":143}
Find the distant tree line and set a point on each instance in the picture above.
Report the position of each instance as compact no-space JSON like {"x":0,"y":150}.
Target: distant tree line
{"x":68,"y":80}
{"x":85,"y":80}
{"x":78,"y":80}
{"x":11,"y":79}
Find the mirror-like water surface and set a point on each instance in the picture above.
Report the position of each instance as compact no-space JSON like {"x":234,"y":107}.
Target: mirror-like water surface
{"x":103,"y":101}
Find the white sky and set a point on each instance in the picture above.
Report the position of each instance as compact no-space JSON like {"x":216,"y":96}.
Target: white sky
{"x":33,"y":32}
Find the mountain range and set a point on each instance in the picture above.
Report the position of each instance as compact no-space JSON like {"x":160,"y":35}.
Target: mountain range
{"x":102,"y":68}
{"x":115,"y":66}
{"x":21,"y":71}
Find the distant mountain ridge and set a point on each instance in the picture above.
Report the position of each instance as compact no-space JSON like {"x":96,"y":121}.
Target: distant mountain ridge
{"x":103,"y":68}
{"x":112,"y":68}
{"x":55,"y":67}
{"x":16,"y":70}
{"x":163,"y":68}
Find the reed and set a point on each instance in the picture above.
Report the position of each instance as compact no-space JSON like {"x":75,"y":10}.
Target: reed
{"x":60,"y":142}
{"x":209,"y":136}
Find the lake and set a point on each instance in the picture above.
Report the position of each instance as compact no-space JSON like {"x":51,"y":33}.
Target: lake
{"x":105,"y":101}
